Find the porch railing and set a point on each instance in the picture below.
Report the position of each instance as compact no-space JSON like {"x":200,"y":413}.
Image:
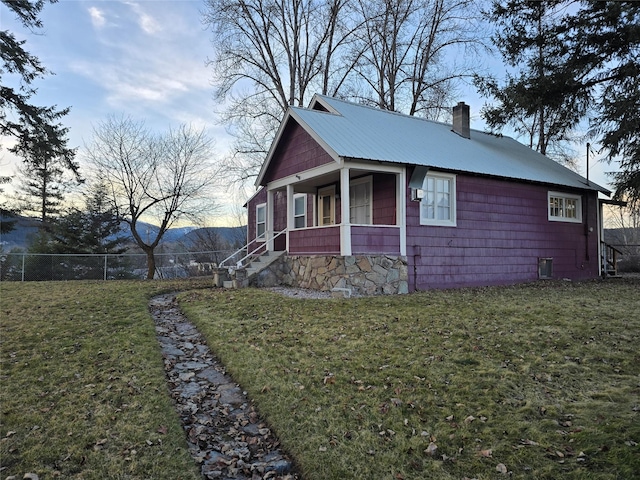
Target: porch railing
{"x":609,"y":259}
{"x":249,"y":254}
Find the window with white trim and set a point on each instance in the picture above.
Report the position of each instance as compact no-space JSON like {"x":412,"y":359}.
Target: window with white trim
{"x":261,"y":222}
{"x":327,"y":206}
{"x":438,"y":204}
{"x":300,"y":210}
{"x":564,"y":207}
{"x":360,"y":207}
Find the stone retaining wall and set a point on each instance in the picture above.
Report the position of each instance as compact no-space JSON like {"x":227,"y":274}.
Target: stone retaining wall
{"x":359,"y":274}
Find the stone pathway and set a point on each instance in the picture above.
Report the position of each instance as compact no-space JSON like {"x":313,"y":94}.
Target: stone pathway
{"x":224,"y":432}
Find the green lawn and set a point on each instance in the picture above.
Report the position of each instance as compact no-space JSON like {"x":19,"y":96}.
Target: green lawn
{"x":82,"y":385}
{"x":540,"y":381}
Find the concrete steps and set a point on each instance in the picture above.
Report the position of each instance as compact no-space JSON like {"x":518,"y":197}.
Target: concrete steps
{"x":262,"y":262}
{"x":240,"y":277}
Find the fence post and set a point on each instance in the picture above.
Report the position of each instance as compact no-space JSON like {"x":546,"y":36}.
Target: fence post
{"x":23,"y":255}
{"x":105,"y":267}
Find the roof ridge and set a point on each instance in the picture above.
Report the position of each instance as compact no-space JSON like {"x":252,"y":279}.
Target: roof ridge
{"x":392,"y":112}
{"x":361,"y":131}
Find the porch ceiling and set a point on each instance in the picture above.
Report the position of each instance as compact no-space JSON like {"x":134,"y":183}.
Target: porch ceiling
{"x":311,"y":185}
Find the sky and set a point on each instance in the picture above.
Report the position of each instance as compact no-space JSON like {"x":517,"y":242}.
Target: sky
{"x":144,"y":59}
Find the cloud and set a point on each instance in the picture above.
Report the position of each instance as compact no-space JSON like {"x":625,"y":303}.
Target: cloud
{"x":160,"y":78}
{"x":137,"y":69}
{"x":141,"y":77}
{"x":146,"y":22}
{"x":97,"y":17}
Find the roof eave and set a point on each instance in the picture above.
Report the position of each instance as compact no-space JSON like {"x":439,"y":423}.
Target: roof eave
{"x":292,"y":114}
{"x":274,"y":144}
{"x":590,"y":186}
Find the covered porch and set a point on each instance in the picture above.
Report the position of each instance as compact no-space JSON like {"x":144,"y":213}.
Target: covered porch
{"x":342,"y":208}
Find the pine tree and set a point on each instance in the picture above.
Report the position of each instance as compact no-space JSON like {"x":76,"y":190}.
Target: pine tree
{"x":605,"y":44}
{"x":76,"y":241}
{"x":95,"y":229}
{"x":579,"y":63}
{"x":36,"y":129}
{"x":42,"y":187}
{"x":534,"y":100}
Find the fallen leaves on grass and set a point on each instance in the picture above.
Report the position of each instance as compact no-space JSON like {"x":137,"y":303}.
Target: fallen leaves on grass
{"x":432,"y":449}
{"x":528,"y":442}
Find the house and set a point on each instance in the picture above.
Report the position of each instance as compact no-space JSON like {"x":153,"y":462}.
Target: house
{"x":364,"y":200}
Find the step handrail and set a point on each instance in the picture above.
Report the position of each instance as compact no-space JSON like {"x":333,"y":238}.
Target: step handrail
{"x":609,"y":258}
{"x":249,"y":254}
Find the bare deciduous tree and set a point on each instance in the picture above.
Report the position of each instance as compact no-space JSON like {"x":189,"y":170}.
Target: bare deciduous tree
{"x":160,"y":178}
{"x":408,"y":47}
{"x":623,"y":223}
{"x":269,"y":54}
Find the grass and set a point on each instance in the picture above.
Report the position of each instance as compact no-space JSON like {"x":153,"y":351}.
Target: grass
{"x":542,"y":379}
{"x":83,"y":391}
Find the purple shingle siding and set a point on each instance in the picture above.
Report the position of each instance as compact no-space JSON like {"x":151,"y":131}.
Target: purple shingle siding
{"x":502,"y":226}
{"x":367,"y":240}
{"x":502,"y":230}
{"x":316,"y":241}
{"x":384,"y":199}
{"x":297,"y":151}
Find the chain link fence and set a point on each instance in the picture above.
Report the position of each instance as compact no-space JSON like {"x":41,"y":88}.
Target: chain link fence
{"x":22,"y":267}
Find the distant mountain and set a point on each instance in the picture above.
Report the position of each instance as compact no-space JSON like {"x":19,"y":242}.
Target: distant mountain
{"x":23,"y":232}
{"x":233,"y":237}
{"x":622,"y":236}
{"x":183,"y":237}
{"x":148,"y":231}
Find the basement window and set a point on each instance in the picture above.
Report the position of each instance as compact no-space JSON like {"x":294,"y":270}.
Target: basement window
{"x":545,"y":268}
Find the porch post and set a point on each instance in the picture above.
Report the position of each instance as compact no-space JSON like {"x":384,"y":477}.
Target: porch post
{"x":269,"y":232}
{"x":401,"y":209}
{"x":345,"y":217}
{"x":290,"y":213}
{"x":602,"y":252}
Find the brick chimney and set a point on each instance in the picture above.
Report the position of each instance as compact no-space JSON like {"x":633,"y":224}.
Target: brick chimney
{"x":461,"y":120}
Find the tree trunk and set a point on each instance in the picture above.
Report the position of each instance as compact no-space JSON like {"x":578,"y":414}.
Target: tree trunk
{"x":542,"y":140}
{"x":151,"y":264}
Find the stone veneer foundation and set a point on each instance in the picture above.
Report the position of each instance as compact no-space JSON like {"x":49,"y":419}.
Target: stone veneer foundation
{"x":357,"y":274}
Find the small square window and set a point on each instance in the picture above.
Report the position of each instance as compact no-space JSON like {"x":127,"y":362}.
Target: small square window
{"x":438,"y":204}
{"x":564,"y":207}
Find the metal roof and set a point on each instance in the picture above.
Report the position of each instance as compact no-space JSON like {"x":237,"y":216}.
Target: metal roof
{"x":355,"y":131}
